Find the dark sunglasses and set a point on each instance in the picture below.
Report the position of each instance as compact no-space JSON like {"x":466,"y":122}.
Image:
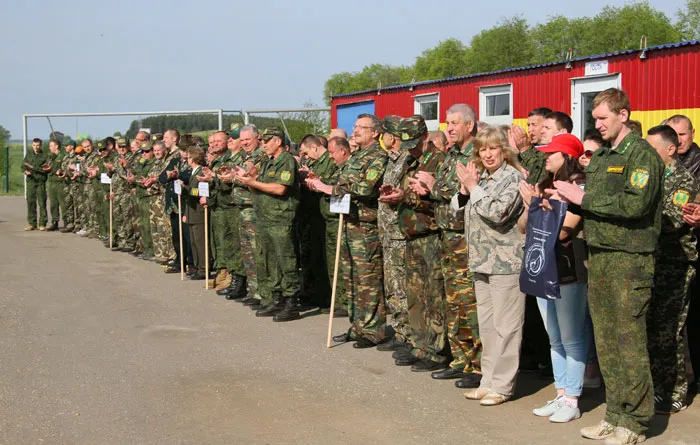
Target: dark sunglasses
{"x":588,"y":154}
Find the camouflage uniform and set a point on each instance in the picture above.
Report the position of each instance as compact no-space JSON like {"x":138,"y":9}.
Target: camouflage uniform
{"x":90,"y":222}
{"x":460,"y":315}
{"x":243,"y":201}
{"x":394,"y":245}
{"x":121,"y":207}
{"x":674,"y":271}
{"x":144,"y":204}
{"x":68,"y":191}
{"x":158,"y":219}
{"x":327,"y":172}
{"x":361,"y":176}
{"x":54,"y":188}
{"x":275,"y":260}
{"x":225,"y":218}
{"x":622,"y":221}
{"x":533,"y":161}
{"x":219,"y":229}
{"x":36,"y":187}
{"x":78,"y":193}
{"x":425,"y":287}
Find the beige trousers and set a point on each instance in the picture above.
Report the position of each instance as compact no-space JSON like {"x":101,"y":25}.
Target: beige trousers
{"x":500,"y":307}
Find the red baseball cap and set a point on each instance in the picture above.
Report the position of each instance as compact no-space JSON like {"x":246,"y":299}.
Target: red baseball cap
{"x":564,"y":143}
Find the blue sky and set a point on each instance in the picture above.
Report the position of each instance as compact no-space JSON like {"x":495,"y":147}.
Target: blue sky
{"x":90,"y":56}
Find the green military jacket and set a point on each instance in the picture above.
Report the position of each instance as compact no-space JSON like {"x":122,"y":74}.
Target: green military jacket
{"x":91,"y":160}
{"x":387,"y":215}
{"x":446,"y":185}
{"x":416,"y":214}
{"x":326,"y":170}
{"x":677,"y":241}
{"x":66,"y":161}
{"x":622,"y":204}
{"x":533,"y":161}
{"x":157,"y":167}
{"x":140,"y":171}
{"x":34,"y":162}
{"x":242,"y":195}
{"x":360,"y":176}
{"x":55,"y":161}
{"x":119,"y":183}
{"x":224,"y":190}
{"x":272,"y":209}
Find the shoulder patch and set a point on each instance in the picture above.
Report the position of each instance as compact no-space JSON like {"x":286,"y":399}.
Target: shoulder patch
{"x":681,"y":198}
{"x":194,"y":191}
{"x":639,"y":178}
{"x":616,"y":169}
{"x":372,"y":174}
{"x":271,"y":173}
{"x":285,"y":175}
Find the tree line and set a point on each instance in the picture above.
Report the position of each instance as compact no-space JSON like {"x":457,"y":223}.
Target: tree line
{"x":513,"y":42}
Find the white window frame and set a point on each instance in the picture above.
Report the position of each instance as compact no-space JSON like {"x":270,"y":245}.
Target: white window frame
{"x":418,"y":100}
{"x":495,"y":90}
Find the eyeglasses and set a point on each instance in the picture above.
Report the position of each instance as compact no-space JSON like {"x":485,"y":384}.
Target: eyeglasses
{"x":588,"y":154}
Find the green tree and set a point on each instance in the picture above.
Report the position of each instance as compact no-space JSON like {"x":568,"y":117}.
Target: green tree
{"x":507,"y":44}
{"x":447,"y":59}
{"x":552,"y":40}
{"x":4,"y":136}
{"x":688,"y":23}
{"x":367,"y":79}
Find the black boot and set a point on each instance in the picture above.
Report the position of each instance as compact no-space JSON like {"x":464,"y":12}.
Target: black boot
{"x":237,"y":288}
{"x":52,"y":228}
{"x":231,"y":287}
{"x":273,"y":308}
{"x":290,"y":311}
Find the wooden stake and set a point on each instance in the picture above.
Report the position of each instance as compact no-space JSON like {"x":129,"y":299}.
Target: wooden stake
{"x":206,"y":248}
{"x":182,"y":258}
{"x":335,"y":280}
{"x":111,"y":237}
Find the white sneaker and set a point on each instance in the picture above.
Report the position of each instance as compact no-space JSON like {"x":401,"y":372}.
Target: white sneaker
{"x":549,"y":408}
{"x":565,"y":413}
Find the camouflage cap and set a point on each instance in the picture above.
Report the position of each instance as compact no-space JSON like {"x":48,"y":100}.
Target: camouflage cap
{"x":69,"y":142}
{"x":146,"y":146}
{"x":122,"y":142}
{"x":411,"y":129}
{"x":390,"y":125}
{"x":185,"y":142}
{"x":235,"y":131}
{"x":101,"y":145}
{"x":270,"y":132}
{"x":155,"y":137}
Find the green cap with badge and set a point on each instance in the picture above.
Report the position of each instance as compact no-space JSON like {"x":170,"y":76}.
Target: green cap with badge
{"x":146,"y":146}
{"x":122,"y":142}
{"x":235,"y":131}
{"x":101,"y":145}
{"x":411,"y":129}
{"x":270,"y":132}
{"x":155,"y":137}
{"x":185,"y":142}
{"x":69,"y":142}
{"x":390,"y":125}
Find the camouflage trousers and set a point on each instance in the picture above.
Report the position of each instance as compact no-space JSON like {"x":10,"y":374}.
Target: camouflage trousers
{"x":76,"y":193}
{"x":275,"y":261}
{"x":425,"y":289}
{"x":224,"y":239}
{"x":69,"y":210}
{"x":57,"y":201}
{"x":90,"y":223}
{"x":618,"y":302}
{"x":315,"y":282}
{"x":460,"y":308}
{"x":123,"y":220}
{"x":394,"y":259}
{"x":136,"y":212}
{"x":145,"y":203}
{"x":364,"y":280}
{"x":101,"y":212}
{"x":161,"y":232}
{"x":246,"y":231}
{"x":36,"y":197}
{"x":666,"y":319}
{"x":331,"y":241}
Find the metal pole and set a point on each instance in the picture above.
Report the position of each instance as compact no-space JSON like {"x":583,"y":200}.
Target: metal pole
{"x":221,"y":120}
{"x":24,"y":150}
{"x":246,"y":118}
{"x":7,"y":169}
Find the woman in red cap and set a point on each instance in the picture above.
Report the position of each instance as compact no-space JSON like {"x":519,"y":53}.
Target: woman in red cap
{"x":564,"y":318}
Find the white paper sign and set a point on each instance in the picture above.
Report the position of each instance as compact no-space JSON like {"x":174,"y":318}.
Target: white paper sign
{"x":77,"y":168}
{"x":596,"y":68}
{"x":178,"y":188}
{"x":203,"y":188}
{"x":340,"y":205}
{"x":105,"y":179}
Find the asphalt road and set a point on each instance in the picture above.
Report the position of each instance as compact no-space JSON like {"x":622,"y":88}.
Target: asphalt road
{"x":102,"y":348}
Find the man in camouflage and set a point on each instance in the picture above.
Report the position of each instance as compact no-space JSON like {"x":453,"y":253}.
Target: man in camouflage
{"x":621,"y":209}
{"x":360,"y":177}
{"x":674,"y":273}
{"x":276,"y":189}
{"x":69,"y":159}
{"x":36,"y":167}
{"x":460,"y":316}
{"x":143,"y":166}
{"x":158,"y":220}
{"x":424,"y":285}
{"x":121,"y":200}
{"x":54,"y":185}
{"x":530,"y":157}
{"x":88,"y":173}
{"x":393,"y":240}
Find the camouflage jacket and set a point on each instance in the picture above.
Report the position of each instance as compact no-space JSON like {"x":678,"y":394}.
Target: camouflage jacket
{"x":677,"y":242}
{"x":416,"y":215}
{"x":66,"y":161}
{"x":224,"y":190}
{"x":388,"y":216}
{"x":157,"y":167}
{"x":56,"y":161}
{"x":119,"y":183}
{"x":533,"y":161}
{"x":311,"y":202}
{"x":91,"y":160}
{"x":242,"y":196}
{"x":447,"y":185}
{"x":327,"y":172}
{"x":140,"y":171}
{"x":35,"y":160}
{"x":360,"y":176}
{"x":622,"y":205}
{"x":272,"y":209}
{"x":494,"y":241}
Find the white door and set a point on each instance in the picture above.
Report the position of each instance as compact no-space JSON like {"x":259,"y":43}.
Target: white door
{"x":583,"y":90}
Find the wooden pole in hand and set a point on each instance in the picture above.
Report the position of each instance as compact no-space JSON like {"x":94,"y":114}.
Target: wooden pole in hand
{"x":111,"y":237}
{"x":206,"y":248}
{"x":182,"y":258}
{"x":335,"y":280}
